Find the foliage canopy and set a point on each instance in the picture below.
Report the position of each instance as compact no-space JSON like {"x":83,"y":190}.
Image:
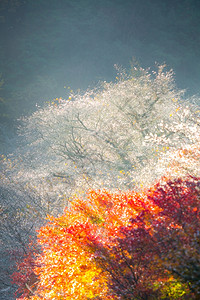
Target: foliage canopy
{"x":123,"y":245}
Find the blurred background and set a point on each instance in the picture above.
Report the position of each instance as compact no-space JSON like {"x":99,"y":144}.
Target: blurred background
{"x":50,"y":47}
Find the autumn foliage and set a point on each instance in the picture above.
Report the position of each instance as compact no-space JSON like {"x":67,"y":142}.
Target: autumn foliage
{"x":122,"y":136}
{"x":123,"y":245}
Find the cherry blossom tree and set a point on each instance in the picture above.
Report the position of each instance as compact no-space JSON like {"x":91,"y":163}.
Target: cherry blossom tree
{"x":110,"y":136}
